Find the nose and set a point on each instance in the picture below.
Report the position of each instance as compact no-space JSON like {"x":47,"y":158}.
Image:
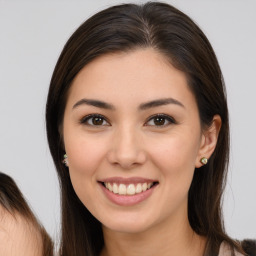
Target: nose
{"x":127,"y":149}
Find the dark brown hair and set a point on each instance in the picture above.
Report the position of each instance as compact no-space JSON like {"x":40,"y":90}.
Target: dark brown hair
{"x":125,"y":28}
{"x":12,"y":200}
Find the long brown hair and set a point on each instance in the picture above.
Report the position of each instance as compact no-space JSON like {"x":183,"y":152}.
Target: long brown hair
{"x":12,"y":200}
{"x":169,"y":31}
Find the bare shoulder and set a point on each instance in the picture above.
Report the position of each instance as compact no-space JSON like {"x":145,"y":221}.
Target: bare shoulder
{"x":226,"y":250}
{"x":18,"y":236}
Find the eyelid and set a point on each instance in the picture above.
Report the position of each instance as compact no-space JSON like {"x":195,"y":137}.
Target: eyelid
{"x":170,"y":119}
{"x":84,"y":120}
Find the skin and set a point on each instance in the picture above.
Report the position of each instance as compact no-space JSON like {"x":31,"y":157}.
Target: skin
{"x":18,"y":237}
{"x":129,"y":144}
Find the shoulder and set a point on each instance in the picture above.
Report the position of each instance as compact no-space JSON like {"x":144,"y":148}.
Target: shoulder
{"x":249,"y":246}
{"x":17,"y":235}
{"x":226,"y":250}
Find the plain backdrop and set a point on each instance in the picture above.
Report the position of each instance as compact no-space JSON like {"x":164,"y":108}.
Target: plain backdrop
{"x":32,"y":34}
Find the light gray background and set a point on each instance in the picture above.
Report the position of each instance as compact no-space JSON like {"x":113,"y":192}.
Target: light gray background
{"x":32,"y":34}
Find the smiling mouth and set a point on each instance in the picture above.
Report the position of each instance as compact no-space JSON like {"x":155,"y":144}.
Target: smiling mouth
{"x":128,"y":189}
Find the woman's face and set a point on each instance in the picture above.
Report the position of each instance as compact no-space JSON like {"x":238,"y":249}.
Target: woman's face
{"x":133,"y":138}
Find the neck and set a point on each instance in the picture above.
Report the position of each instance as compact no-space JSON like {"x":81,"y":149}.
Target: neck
{"x":173,"y":239}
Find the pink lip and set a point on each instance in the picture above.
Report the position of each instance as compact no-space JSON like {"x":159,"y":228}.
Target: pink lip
{"x":132,"y":180}
{"x":127,"y":200}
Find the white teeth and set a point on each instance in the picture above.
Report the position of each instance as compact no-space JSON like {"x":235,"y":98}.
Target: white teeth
{"x":138,"y":188}
{"x":122,"y":189}
{"x":144,"y":186}
{"x":109,"y":186}
{"x":130,"y":189}
{"x":115,"y":188}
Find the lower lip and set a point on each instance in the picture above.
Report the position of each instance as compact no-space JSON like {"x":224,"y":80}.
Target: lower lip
{"x":127,"y":200}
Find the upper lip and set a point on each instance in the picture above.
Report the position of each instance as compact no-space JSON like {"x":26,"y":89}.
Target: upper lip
{"x":131,"y":180}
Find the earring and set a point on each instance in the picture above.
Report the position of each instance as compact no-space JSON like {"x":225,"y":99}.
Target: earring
{"x":204,"y":160}
{"x":65,"y":160}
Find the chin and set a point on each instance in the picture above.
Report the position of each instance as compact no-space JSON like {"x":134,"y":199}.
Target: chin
{"x":129,"y":229}
{"x":127,"y":224}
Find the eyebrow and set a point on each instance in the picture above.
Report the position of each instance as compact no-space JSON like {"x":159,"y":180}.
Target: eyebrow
{"x":95,"y":103}
{"x":143,"y":106}
{"x":160,"y":102}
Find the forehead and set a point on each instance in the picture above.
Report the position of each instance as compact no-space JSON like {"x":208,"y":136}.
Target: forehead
{"x":130,"y":76}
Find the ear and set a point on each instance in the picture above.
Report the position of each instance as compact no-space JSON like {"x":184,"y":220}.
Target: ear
{"x":208,"y":140}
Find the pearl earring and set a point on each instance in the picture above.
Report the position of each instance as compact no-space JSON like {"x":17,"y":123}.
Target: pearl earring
{"x":204,"y":160}
{"x":65,"y":160}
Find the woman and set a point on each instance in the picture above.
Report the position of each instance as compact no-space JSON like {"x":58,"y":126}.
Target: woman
{"x":137,"y":113}
{"x":20,"y":232}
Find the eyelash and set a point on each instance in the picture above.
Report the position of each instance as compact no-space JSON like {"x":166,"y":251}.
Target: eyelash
{"x":165,"y":117}
{"x":85,"y":120}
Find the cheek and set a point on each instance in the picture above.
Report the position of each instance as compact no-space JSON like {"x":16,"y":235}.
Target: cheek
{"x":176,"y":151}
{"x":84,"y":155}
{"x":175,"y":157}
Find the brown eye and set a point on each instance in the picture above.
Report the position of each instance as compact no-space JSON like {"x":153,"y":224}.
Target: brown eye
{"x":97,"y":120}
{"x":94,"y":120}
{"x":160,"y":120}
